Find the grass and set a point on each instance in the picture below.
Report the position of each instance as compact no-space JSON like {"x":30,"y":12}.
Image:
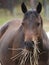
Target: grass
{"x":4,"y":19}
{"x":5,"y":16}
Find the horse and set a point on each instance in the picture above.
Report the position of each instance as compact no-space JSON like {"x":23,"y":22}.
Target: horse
{"x":24,"y":42}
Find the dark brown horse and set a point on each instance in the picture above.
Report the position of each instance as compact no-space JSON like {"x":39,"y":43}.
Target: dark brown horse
{"x":24,"y":43}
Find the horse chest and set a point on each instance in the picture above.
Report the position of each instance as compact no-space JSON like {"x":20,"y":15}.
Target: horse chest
{"x":43,"y":58}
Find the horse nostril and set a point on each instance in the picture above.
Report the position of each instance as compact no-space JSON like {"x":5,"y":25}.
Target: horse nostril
{"x":32,"y":42}
{"x":29,"y":45}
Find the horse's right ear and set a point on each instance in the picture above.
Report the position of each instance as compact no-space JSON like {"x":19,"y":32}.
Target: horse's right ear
{"x":23,"y":7}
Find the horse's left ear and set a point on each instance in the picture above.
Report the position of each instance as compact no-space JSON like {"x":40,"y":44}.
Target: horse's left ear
{"x":39,"y":8}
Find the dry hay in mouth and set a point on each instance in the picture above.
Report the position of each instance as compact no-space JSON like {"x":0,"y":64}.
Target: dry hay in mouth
{"x":35,"y":53}
{"x":24,"y":54}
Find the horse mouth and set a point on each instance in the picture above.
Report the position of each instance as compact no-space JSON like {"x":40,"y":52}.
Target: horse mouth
{"x":29,"y":52}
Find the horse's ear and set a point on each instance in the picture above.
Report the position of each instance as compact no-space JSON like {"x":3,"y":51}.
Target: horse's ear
{"x":39,"y":8}
{"x":23,"y":7}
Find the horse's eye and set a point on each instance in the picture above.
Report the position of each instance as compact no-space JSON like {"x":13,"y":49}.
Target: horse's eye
{"x":37,"y":24}
{"x":23,"y":24}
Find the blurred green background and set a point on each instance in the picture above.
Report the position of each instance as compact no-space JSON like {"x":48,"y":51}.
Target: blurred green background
{"x":10,"y":9}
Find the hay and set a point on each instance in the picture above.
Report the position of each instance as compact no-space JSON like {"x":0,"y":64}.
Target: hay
{"x":35,"y":53}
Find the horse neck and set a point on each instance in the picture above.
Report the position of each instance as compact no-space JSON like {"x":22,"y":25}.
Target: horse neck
{"x":45,"y":40}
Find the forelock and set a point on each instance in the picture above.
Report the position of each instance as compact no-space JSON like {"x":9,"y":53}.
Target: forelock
{"x":30,"y":13}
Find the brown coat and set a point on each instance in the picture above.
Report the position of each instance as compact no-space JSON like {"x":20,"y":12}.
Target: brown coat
{"x":12,"y":37}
